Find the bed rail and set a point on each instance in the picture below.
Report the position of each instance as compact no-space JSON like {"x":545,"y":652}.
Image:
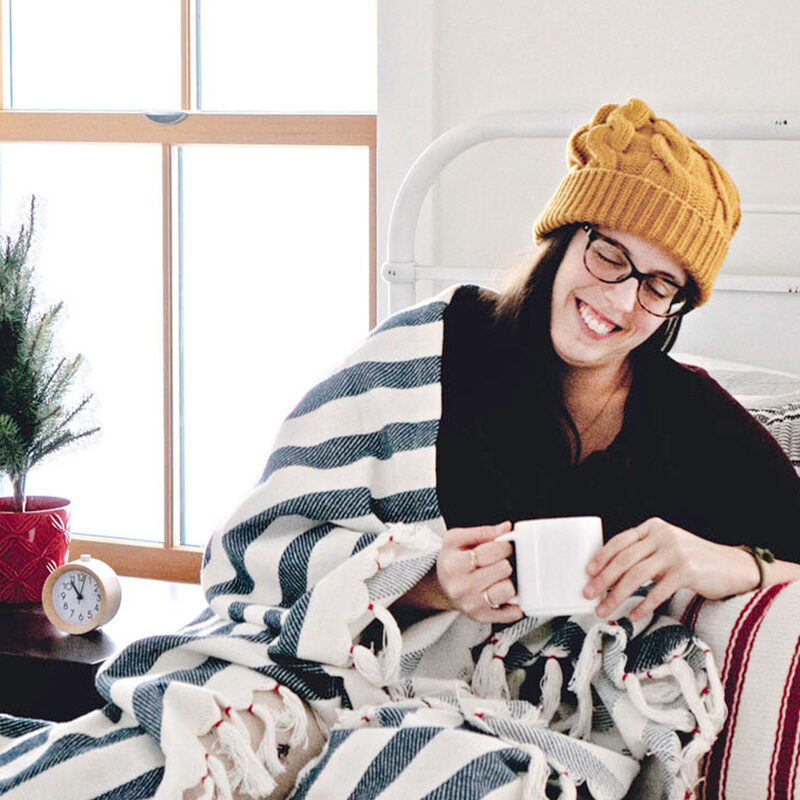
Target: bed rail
{"x":401,"y":271}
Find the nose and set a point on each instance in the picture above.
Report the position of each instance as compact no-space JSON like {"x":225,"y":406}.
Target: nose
{"x":623,"y":294}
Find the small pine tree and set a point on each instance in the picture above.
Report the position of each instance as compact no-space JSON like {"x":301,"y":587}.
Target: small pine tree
{"x":33,"y":420}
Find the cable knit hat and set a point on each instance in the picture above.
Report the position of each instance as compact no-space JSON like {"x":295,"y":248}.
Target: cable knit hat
{"x":631,"y":171}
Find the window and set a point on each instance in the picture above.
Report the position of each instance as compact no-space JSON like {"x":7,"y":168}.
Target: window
{"x":205,"y":181}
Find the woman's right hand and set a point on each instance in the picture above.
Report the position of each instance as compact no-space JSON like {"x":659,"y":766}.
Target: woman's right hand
{"x":471,"y":563}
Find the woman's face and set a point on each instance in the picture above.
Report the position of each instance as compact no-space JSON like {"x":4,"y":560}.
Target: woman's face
{"x":596,"y":324}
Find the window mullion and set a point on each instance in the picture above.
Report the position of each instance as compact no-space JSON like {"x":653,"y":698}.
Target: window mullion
{"x":168,"y":344}
{"x":188,"y":48}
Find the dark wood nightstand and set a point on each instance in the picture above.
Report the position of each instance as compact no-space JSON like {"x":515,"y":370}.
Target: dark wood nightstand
{"x":47,"y":674}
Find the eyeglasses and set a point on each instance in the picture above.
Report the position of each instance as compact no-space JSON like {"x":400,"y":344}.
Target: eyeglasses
{"x":609,"y":263}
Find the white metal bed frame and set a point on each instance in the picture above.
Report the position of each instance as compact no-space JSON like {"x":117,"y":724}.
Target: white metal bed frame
{"x":402,"y":272}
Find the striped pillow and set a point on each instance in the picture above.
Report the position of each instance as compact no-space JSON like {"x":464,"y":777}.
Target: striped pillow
{"x":755,"y":638}
{"x":781,"y":417}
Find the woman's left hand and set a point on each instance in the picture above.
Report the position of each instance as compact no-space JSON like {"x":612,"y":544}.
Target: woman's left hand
{"x":674,"y":559}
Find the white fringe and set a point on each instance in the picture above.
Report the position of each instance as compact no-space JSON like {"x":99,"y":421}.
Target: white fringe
{"x":718,"y":710}
{"x":569,"y":789}
{"x":247,"y":773}
{"x":709,"y":720}
{"x":552,"y":681}
{"x":489,"y":677}
{"x":208,"y":789}
{"x":534,"y":784}
{"x":680,"y":718}
{"x":590,"y":661}
{"x":382,"y":669}
{"x":292,"y":718}
{"x":267,"y":751}
{"x":218,"y":779}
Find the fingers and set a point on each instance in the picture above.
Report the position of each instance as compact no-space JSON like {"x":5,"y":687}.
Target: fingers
{"x":500,"y":594}
{"x":662,"y":591}
{"x":468,"y":537}
{"x":632,"y":580}
{"x":618,"y":543}
{"x":488,"y":553}
{"x":623,"y":561}
{"x":494,"y":573}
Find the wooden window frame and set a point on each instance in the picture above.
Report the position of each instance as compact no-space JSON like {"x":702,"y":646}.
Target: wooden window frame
{"x":169,"y":560}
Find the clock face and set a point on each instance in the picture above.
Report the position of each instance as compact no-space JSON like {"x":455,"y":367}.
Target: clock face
{"x":76,"y":597}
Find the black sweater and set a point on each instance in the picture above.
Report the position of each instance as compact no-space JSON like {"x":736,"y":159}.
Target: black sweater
{"x":687,"y":452}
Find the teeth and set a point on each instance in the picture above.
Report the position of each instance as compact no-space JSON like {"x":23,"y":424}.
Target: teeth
{"x":593,"y":323}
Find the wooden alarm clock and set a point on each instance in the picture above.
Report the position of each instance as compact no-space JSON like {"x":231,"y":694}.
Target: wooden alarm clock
{"x":81,"y":595}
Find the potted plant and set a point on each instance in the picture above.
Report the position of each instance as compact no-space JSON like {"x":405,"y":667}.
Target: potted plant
{"x":34,"y":423}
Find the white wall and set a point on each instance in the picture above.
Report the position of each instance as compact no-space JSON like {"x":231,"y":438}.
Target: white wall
{"x":472,"y":57}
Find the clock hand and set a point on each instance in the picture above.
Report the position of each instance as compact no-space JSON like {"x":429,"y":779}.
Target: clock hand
{"x":77,"y":593}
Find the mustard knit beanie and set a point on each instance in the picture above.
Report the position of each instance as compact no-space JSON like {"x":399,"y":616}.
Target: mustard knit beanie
{"x":631,"y":171}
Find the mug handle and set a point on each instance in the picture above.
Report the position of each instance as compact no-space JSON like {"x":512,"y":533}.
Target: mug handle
{"x":511,"y":536}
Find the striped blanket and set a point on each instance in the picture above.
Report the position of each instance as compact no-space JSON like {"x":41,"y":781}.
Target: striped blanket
{"x":300,"y":582}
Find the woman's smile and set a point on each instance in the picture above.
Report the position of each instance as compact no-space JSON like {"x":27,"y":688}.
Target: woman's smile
{"x":593,"y":322}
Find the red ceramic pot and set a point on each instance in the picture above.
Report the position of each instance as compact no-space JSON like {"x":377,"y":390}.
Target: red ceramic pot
{"x":32,"y":544}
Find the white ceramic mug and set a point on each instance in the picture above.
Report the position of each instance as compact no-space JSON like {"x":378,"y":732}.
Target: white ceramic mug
{"x":551,"y":556}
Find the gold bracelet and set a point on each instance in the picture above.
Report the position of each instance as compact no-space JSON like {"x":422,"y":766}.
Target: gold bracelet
{"x":760,"y":555}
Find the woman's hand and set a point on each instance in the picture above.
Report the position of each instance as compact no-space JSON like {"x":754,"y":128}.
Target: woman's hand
{"x":471,"y":563}
{"x":674,"y":559}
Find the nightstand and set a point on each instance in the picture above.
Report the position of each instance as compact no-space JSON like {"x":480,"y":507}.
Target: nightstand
{"x":47,"y":674}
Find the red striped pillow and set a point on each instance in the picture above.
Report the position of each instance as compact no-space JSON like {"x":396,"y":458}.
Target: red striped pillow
{"x":755,"y":639}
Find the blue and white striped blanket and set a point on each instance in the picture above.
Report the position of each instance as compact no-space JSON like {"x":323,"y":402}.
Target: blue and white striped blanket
{"x":300,"y":580}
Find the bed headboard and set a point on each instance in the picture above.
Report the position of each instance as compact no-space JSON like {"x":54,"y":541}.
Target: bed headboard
{"x":753,"y":319}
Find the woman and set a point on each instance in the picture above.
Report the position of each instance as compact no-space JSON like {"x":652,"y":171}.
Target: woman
{"x":386,"y":487}
{"x":563,"y":378}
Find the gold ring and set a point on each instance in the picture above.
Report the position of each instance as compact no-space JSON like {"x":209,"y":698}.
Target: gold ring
{"x":473,"y":560}
{"x":493,"y":606}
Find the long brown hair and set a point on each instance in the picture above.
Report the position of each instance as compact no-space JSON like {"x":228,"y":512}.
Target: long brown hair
{"x":522,"y":313}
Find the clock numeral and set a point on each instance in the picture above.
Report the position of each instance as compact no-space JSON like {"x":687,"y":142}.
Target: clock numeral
{"x":89,"y":614}
{"x":66,"y":606}
{"x":72,"y":612}
{"x":63,"y":595}
{"x":97,"y":607}
{"x":80,"y":617}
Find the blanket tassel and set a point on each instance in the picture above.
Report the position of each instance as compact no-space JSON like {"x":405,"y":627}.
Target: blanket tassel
{"x":569,"y":789}
{"x":267,"y":752}
{"x":382,"y":669}
{"x":534,"y":784}
{"x":551,"y":684}
{"x":247,"y":773}
{"x":218,"y":780}
{"x":679,"y":718}
{"x":589,"y":663}
{"x":293,"y":718}
{"x":709,"y":721}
